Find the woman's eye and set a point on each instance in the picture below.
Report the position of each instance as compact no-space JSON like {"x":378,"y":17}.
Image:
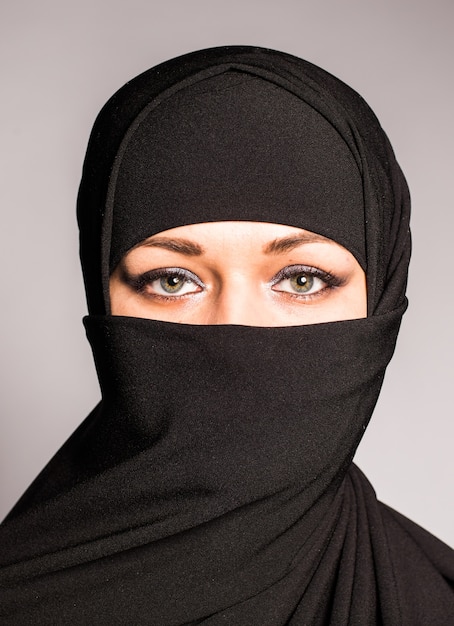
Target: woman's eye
{"x":303,"y":282}
{"x":173,"y":283}
{"x":166,"y":282}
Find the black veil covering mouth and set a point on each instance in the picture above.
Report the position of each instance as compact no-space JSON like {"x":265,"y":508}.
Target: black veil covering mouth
{"x":214,"y":482}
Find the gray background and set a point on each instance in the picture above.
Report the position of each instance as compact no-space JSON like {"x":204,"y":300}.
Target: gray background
{"x":62,"y":60}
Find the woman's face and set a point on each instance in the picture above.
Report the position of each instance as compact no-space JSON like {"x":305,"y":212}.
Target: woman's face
{"x":249,"y":273}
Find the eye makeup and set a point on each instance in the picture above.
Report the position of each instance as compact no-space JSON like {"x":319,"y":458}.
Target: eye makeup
{"x":168,"y":283}
{"x":171,"y":282}
{"x":304,"y":281}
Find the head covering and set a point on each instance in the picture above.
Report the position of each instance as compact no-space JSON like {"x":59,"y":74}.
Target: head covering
{"x":147,"y":100}
{"x":235,"y":146}
{"x":214,"y":483}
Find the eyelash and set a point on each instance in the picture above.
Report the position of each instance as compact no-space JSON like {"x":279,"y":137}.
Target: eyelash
{"x":140,"y":282}
{"x":293,"y":271}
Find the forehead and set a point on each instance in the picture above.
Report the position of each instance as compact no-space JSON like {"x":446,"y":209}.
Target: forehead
{"x":235,"y":230}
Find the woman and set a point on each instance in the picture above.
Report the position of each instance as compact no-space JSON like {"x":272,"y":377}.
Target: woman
{"x":245,"y":244}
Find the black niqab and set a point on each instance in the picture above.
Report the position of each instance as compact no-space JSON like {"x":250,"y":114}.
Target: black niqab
{"x":214,"y":483}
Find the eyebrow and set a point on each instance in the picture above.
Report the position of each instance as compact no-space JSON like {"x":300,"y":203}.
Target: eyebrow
{"x":284,"y":244}
{"x":277,"y":246}
{"x":182,"y":246}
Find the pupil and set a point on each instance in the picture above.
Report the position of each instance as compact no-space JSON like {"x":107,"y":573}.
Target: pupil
{"x":302,"y":282}
{"x":173,"y":281}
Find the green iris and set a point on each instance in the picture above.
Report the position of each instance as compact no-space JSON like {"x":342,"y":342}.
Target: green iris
{"x":302,"y":283}
{"x":172,"y":284}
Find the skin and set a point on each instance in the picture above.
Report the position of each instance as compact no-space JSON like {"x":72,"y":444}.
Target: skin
{"x":239,"y":273}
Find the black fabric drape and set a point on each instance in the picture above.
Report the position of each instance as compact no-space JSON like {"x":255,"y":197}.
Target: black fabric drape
{"x":214,"y":482}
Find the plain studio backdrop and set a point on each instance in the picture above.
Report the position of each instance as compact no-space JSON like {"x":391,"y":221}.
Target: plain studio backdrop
{"x":62,"y":60}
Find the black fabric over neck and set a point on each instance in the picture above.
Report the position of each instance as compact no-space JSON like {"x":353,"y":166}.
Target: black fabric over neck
{"x":213,"y":484}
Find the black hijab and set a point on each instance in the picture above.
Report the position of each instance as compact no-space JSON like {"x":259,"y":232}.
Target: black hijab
{"x":214,"y":482}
